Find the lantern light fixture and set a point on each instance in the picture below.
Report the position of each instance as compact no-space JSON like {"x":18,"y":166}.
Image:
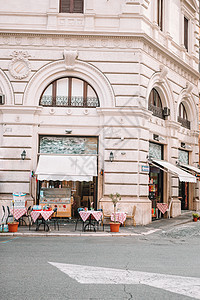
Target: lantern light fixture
{"x":111,"y":157}
{"x":23,"y":155}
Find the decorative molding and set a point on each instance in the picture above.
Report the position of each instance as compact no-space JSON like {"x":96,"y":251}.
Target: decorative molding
{"x":163,"y":73}
{"x":70,"y":59}
{"x":110,"y":42}
{"x":19,"y":67}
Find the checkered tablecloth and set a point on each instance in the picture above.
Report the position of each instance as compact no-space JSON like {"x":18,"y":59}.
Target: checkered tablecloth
{"x":85,"y":214}
{"x":162,"y":207}
{"x":119,"y":216}
{"x":19,"y":212}
{"x":45,"y":214}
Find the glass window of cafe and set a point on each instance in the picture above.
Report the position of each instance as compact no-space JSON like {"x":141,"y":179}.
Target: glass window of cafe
{"x":155,"y":177}
{"x":68,"y":195}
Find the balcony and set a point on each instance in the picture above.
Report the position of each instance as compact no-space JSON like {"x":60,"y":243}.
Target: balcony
{"x":157,"y":111}
{"x":185,"y":123}
{"x":63,"y":101}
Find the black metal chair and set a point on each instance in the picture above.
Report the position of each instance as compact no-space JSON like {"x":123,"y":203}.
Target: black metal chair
{"x":4,"y":213}
{"x":21,"y":220}
{"x":100,"y":222}
{"x":9,"y":214}
{"x":54,"y":219}
{"x":79,"y":218}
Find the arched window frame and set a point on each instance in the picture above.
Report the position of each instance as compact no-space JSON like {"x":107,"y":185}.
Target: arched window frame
{"x":69,"y":100}
{"x":155,"y":104}
{"x":182,"y":117}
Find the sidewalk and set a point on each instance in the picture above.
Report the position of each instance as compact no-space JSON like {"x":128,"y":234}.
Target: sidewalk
{"x":68,"y":228}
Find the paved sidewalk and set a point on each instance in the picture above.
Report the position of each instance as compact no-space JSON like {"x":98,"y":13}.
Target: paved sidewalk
{"x":68,"y":228}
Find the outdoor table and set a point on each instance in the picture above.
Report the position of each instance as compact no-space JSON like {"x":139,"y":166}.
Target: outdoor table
{"x":119,"y":217}
{"x":89,"y":215}
{"x":19,"y":212}
{"x":45,"y":215}
{"x":162,"y":207}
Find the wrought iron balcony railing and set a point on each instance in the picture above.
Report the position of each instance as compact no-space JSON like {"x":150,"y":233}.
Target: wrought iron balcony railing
{"x":185,"y":123}
{"x":62,"y":101}
{"x":157,"y":111}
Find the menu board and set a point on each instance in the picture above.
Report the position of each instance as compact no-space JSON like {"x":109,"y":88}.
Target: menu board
{"x":57,"y":197}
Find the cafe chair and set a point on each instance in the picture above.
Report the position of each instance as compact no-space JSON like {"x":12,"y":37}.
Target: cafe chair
{"x":54,"y":219}
{"x":4,"y":213}
{"x":100,"y":222}
{"x":22,"y":220}
{"x":131,"y":216}
{"x":79,"y":218}
{"x":9,"y":214}
{"x":104,"y":216}
{"x":29,"y":217}
{"x":169,"y":208}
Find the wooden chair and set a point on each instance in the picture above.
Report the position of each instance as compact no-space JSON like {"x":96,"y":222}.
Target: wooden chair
{"x":104,"y":216}
{"x":131,"y":216}
{"x":169,"y":208}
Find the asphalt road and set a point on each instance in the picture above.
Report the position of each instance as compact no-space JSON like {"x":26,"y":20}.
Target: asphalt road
{"x":27,"y":272}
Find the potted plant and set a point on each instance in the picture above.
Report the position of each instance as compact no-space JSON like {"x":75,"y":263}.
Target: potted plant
{"x":114,"y":226}
{"x":13,"y":226}
{"x":195,"y":217}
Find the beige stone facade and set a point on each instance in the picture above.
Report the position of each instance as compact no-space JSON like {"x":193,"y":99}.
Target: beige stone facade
{"x":119,"y":49}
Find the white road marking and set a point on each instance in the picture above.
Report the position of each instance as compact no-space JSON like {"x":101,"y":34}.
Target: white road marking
{"x":188,"y":286}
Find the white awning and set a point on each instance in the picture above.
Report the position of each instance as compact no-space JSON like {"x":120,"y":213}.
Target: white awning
{"x":183,"y":176}
{"x":58,"y":167}
{"x":191,"y":168}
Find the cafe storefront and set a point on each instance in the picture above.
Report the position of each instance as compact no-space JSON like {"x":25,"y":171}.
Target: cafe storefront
{"x":161,"y":175}
{"x":67,"y":173}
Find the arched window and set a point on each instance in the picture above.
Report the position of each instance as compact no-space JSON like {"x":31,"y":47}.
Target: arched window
{"x":155,"y":104}
{"x":182,"y":117}
{"x":69,"y":92}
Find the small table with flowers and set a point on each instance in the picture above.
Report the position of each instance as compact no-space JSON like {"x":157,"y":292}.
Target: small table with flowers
{"x":43,"y":215}
{"x":90,"y":215}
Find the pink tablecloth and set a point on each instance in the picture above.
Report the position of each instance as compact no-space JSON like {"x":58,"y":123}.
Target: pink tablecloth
{"x":85,"y":214}
{"x":162,"y":207}
{"x":120,"y":217}
{"x":45,"y":214}
{"x":19,"y":212}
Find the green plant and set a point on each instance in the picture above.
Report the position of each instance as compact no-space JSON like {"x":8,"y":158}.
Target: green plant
{"x":115,"y":198}
{"x":195,"y":215}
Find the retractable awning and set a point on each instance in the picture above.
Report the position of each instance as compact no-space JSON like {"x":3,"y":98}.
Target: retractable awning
{"x":72,"y":167}
{"x":190,"y":168}
{"x":182,"y":175}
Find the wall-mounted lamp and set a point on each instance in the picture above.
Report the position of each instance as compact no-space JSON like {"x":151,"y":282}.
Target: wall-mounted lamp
{"x":23,"y":155}
{"x":182,"y":145}
{"x":111,"y":157}
{"x":68,"y":131}
{"x":156,"y":137}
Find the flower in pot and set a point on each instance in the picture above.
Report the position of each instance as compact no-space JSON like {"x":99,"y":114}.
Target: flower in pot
{"x":195,"y":217}
{"x":13,"y":225}
{"x":114,"y":226}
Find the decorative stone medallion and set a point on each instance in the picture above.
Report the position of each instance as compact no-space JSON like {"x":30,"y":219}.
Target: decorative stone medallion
{"x":19,"y":66}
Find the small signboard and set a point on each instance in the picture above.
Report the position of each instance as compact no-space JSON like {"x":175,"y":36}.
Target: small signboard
{"x":145,"y":168}
{"x":19,"y":200}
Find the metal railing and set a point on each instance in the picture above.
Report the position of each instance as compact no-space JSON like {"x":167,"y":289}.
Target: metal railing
{"x":63,"y":101}
{"x":185,"y":123}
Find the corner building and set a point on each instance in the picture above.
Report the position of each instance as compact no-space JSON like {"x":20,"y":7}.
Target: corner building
{"x":103,"y":98}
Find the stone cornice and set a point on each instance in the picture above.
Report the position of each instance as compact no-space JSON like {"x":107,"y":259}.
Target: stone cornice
{"x":128,"y":41}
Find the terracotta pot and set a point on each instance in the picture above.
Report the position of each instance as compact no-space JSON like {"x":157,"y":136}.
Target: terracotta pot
{"x":13,"y":227}
{"x":195,"y":219}
{"x":114,"y":227}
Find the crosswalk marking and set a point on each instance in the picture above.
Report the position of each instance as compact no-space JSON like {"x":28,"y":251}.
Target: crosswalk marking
{"x":188,"y":286}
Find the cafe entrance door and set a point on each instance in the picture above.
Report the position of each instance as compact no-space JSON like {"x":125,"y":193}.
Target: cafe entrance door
{"x":183,"y":195}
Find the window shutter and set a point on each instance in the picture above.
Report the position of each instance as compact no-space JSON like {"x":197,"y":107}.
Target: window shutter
{"x":64,"y":6}
{"x":78,"y":6}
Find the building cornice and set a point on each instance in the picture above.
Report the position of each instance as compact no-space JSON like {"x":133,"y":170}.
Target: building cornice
{"x":125,"y":41}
